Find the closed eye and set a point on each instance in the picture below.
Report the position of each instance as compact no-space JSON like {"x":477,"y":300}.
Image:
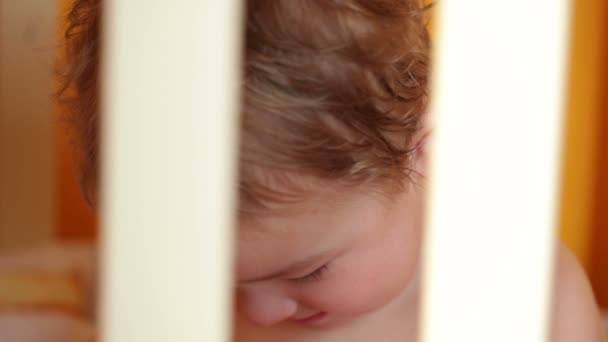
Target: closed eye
{"x":315,"y":275}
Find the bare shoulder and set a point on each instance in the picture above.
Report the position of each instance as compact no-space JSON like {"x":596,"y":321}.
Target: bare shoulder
{"x":575,"y":314}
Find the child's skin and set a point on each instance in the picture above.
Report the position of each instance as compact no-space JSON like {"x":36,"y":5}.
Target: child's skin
{"x":369,"y":288}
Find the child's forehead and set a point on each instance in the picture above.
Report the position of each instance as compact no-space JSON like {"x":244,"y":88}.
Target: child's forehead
{"x":310,"y":220}
{"x":329,"y":209}
{"x":267,"y":193}
{"x":264,"y":192}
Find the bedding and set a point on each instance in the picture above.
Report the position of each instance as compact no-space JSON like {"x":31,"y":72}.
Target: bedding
{"x":47,"y":294}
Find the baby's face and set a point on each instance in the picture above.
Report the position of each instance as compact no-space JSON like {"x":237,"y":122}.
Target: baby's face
{"x":329,"y":259}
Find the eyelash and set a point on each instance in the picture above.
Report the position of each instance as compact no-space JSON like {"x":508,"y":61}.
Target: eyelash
{"x":316,"y":275}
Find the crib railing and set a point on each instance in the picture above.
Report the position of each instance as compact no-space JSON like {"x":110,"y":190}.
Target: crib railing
{"x":499,"y":79}
{"x":170,"y":105}
{"x":169,"y":132}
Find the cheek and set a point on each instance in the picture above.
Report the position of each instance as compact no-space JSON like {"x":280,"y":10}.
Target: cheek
{"x":369,"y":279}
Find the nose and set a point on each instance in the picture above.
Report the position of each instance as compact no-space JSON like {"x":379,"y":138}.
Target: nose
{"x":266,"y":306}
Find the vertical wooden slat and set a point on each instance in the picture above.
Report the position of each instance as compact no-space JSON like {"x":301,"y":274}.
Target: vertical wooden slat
{"x":599,"y":241}
{"x":497,"y":117}
{"x":581,"y":134}
{"x":169,"y":146}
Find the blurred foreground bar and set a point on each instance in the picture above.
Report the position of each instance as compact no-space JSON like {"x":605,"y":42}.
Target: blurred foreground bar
{"x":498,"y":115}
{"x":169,"y":155}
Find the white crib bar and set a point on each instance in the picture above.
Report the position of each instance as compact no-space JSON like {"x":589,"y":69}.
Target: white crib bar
{"x":169,"y":134}
{"x":497,"y":107}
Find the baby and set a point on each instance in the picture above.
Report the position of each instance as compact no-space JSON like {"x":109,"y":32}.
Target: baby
{"x":331,"y":172}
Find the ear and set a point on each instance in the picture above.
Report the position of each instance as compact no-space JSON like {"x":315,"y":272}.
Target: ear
{"x":420,"y":145}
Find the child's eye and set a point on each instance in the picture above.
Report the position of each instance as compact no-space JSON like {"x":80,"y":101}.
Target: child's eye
{"x":316,"y":275}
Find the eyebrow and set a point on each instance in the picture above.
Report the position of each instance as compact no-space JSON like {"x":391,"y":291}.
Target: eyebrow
{"x":298,"y":265}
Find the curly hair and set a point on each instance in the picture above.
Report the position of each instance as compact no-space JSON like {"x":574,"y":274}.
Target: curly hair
{"x":331,"y":89}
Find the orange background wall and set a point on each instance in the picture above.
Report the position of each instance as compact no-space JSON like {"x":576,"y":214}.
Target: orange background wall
{"x":26,"y":128}
{"x":74,"y":219}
